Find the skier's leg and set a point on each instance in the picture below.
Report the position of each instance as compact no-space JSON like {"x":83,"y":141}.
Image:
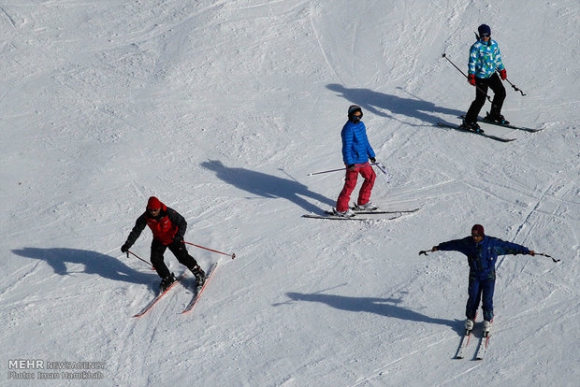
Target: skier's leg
{"x":474,"y":297}
{"x":180,"y":252}
{"x":478,"y":102}
{"x":157,"y":250}
{"x":496,"y":85}
{"x":368,"y":173}
{"x":488,"y":287}
{"x":342,"y":203}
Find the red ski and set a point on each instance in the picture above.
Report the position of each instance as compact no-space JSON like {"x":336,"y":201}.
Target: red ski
{"x":154,"y":301}
{"x":199,"y":291}
{"x":463,"y":344}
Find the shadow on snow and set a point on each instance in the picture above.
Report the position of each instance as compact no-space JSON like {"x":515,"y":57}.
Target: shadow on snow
{"x":380,"y":306}
{"x":93,"y":262}
{"x":267,"y":186}
{"x":380,"y":104}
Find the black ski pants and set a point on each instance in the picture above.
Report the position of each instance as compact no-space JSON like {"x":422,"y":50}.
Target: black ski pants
{"x":482,"y":85}
{"x":178,"y":249}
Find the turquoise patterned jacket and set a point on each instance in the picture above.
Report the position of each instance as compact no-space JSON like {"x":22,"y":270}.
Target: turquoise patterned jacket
{"x":484,"y":59}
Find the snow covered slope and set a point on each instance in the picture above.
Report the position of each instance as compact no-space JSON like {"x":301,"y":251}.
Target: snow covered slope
{"x":222,"y":109}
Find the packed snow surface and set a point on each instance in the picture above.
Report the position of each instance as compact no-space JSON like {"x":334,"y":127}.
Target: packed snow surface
{"x":222,"y":109}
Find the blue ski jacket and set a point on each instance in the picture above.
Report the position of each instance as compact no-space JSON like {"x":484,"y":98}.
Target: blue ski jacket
{"x":482,"y":256}
{"x":484,"y":59}
{"x":355,"y":144}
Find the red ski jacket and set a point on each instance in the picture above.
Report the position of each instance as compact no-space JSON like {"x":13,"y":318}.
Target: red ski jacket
{"x":167,"y":226}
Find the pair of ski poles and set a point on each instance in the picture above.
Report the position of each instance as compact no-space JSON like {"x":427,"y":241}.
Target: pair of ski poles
{"x":425,"y":252}
{"x":380,"y":166}
{"x":481,"y":91}
{"x":233,"y":255}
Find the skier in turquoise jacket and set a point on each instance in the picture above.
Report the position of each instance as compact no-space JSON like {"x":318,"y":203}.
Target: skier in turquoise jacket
{"x":484,"y":62}
{"x":482,"y":252}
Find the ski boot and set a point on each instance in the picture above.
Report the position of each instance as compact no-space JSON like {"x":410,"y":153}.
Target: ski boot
{"x":469,"y":323}
{"x":487,"y":327}
{"x":166,"y":282}
{"x":496,"y":118}
{"x":365,"y":207}
{"x":199,"y":275}
{"x":472,"y":126}
{"x":346,"y":214}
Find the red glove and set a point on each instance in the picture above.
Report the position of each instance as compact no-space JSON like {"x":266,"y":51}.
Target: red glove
{"x":503,"y":74}
{"x":471,"y":79}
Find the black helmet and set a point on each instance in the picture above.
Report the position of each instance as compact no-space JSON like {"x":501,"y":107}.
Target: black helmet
{"x":353,"y":109}
{"x":484,"y":30}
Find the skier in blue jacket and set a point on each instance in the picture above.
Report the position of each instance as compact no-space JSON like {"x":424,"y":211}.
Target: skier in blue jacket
{"x":482,"y":252}
{"x":356,"y":153}
{"x":484,"y":63}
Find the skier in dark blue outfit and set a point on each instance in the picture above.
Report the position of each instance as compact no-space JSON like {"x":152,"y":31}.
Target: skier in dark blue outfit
{"x":482,"y":252}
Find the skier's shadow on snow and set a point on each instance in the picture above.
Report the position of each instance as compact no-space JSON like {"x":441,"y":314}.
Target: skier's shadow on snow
{"x":380,"y":104}
{"x":267,"y":186}
{"x":93,"y":262}
{"x":382,"y":306}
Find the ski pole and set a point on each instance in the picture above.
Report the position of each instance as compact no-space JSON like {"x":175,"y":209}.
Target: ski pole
{"x":212,"y":250}
{"x":549,"y":256}
{"x":424,"y":252}
{"x":515,"y":87}
{"x":465,"y":75}
{"x":383,"y":169}
{"x":330,"y":170}
{"x":379,"y":165}
{"x":139,"y":258}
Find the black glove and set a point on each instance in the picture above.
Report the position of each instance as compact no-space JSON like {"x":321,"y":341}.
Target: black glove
{"x":178,"y":239}
{"x":350,"y":167}
{"x":424,"y":252}
{"x":125,"y":249}
{"x":373,"y":160}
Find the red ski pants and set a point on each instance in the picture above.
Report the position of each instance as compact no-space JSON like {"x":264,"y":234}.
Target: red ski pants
{"x":364,"y":195}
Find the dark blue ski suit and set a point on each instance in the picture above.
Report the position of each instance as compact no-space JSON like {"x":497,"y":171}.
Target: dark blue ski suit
{"x":482,"y":258}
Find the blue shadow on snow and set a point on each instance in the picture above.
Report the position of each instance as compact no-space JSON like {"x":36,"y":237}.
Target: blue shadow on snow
{"x":267,"y":186}
{"x":381,"y":306}
{"x":380,"y":104}
{"x":93,"y":262}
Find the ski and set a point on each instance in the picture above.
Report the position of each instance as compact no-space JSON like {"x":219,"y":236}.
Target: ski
{"x":490,"y":136}
{"x":383,"y":211}
{"x":391,"y":215}
{"x":483,"y":344}
{"x":154,"y":301}
{"x":351,"y":218}
{"x":531,"y":130}
{"x":199,"y":290}
{"x":509,"y":126}
{"x":463,"y":344}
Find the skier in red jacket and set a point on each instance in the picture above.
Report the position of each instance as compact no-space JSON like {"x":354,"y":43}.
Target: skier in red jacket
{"x":168,"y":228}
